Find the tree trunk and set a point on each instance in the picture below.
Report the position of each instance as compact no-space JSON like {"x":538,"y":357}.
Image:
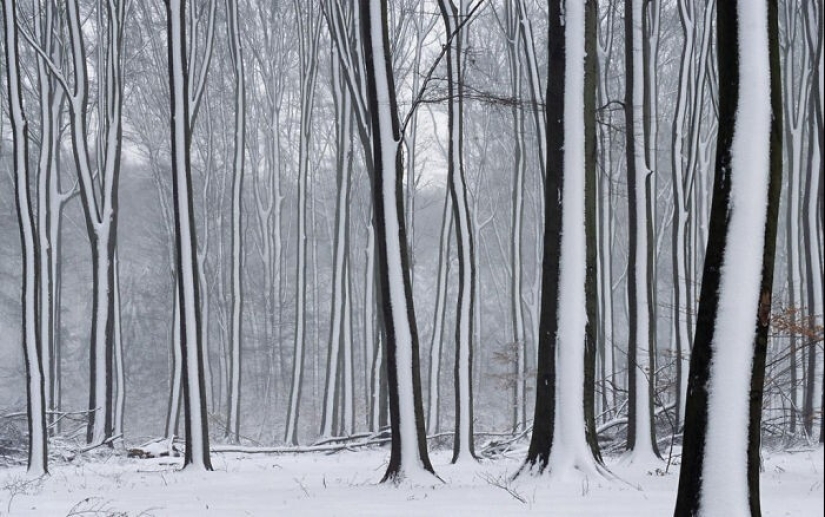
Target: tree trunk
{"x":408,"y":456}
{"x":463,"y":447}
{"x":559,"y":441}
{"x":641,"y":442}
{"x":233,"y":421}
{"x":32,"y":349}
{"x":194,"y":390}
{"x":720,"y":459}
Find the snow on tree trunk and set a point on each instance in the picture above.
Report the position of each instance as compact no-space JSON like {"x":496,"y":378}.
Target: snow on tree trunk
{"x":534,"y":81}
{"x":518,"y":343}
{"x":439,"y":315}
{"x":194,"y":391}
{"x":119,"y":366}
{"x":308,"y":44}
{"x":408,"y":457}
{"x":340,"y":246}
{"x":463,"y":448}
{"x":32,"y":350}
{"x":720,"y":459}
{"x":176,"y":373}
{"x":641,"y":442}
{"x":559,"y":441}
{"x":233,"y":421}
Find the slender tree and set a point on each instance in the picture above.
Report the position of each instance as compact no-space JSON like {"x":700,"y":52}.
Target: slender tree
{"x":233,"y":421}
{"x":463,"y":447}
{"x":32,"y":349}
{"x":408,"y":454}
{"x":641,"y":441}
{"x":194,"y":390}
{"x":309,"y":28}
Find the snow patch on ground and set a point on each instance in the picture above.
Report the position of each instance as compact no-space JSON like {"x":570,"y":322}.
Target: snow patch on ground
{"x":347,"y":484}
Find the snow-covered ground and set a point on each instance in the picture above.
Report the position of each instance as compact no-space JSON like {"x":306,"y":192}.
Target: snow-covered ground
{"x":346,"y":483}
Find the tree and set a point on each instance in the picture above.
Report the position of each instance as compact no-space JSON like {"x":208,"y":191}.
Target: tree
{"x":641,"y":439}
{"x":32,"y":349}
{"x":194,"y":390}
{"x":233,"y":421}
{"x":439,"y":315}
{"x":338,"y":345}
{"x":98,"y":188}
{"x":463,"y":447}
{"x":684,"y":150}
{"x":559,"y":442}
{"x":720,"y":458}
{"x":309,"y":28}
{"x":408,"y":456}
{"x":518,"y":337}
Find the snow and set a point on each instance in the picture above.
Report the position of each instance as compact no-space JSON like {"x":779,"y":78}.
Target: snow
{"x":725,"y":487}
{"x":347,"y":484}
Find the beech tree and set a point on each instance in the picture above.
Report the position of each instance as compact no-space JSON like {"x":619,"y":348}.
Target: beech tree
{"x":463,"y":447}
{"x":559,"y":442}
{"x":30,"y":338}
{"x":641,"y":439}
{"x":720,"y":458}
{"x":233,"y":421}
{"x":408,"y":455}
{"x":309,"y":27}
{"x":194,"y":391}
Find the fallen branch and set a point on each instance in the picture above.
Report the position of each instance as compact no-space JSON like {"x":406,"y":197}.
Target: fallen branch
{"x":294,"y":450}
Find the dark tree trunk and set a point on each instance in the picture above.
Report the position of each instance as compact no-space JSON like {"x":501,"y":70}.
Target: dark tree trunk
{"x":541,"y":440}
{"x":30,"y":335}
{"x":591,"y":285}
{"x":768,"y":259}
{"x":400,"y":332}
{"x":196,"y":427}
{"x":689,"y":498}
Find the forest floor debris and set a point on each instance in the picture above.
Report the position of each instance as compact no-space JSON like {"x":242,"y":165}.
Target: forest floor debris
{"x":347,"y":484}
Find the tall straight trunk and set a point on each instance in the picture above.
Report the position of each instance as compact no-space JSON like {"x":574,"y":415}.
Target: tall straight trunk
{"x":51,"y":101}
{"x":348,"y":353}
{"x":194,"y":390}
{"x":463,"y":447}
{"x":119,"y":402}
{"x":534,"y":82}
{"x":32,"y":349}
{"x":343,"y":126}
{"x":176,"y":370}
{"x":518,"y":343}
{"x":408,"y":454}
{"x":308,"y":28}
{"x":679,"y":270}
{"x":542,"y":439}
{"x":813,"y":186}
{"x":605,"y":216}
{"x":590,"y":79}
{"x":650,"y":113}
{"x":796,"y":90}
{"x":233,"y":420}
{"x":559,"y":441}
{"x":720,"y":459}
{"x":378,"y":364}
{"x":439,"y":315}
{"x":641,"y":441}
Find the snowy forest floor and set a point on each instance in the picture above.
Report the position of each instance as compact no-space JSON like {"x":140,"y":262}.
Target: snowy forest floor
{"x":346,"y":483}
